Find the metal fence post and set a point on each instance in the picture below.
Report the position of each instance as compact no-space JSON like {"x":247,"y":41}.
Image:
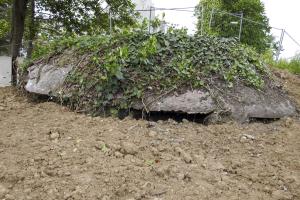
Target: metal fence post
{"x":150,"y":19}
{"x":110,"y":21}
{"x":280,"y":45}
{"x":202,"y":19}
{"x":211,"y":18}
{"x":241,"y":26}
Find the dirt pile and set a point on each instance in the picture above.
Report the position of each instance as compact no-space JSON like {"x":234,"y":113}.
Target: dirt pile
{"x":48,"y":152}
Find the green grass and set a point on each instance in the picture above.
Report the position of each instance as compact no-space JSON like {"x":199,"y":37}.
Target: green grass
{"x":292,"y":66}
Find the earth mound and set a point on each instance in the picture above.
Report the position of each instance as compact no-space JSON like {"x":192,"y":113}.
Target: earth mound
{"x":168,"y":72}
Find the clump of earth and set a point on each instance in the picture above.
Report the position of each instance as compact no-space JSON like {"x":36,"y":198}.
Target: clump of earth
{"x":49,"y":152}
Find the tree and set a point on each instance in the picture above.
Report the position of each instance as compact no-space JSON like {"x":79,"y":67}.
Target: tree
{"x":17,"y":31}
{"x":32,"y":18}
{"x":81,"y":16}
{"x":223,"y":24}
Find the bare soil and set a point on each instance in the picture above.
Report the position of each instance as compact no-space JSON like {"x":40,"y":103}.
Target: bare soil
{"x":48,"y":152}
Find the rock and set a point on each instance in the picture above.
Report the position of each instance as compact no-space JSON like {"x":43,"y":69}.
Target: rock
{"x":162,"y":171}
{"x":9,"y":197}
{"x":172,"y":121}
{"x":45,"y":148}
{"x":151,"y":124}
{"x":101,"y":145}
{"x":118,"y":154}
{"x":248,"y":104}
{"x":105,"y":197}
{"x":185,"y":156}
{"x":281,"y":195}
{"x":2,"y":108}
{"x":152,"y":133}
{"x":54,"y":135}
{"x":191,"y":102}
{"x":46,"y":79}
{"x":3,"y":191}
{"x":243,"y":139}
{"x":185,"y":121}
{"x":155,"y":151}
{"x":288,"y":122}
{"x":115,"y":147}
{"x":250,"y":137}
{"x":129,"y":148}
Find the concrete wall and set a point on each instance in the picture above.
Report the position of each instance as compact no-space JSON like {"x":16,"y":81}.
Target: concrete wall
{"x":5,"y":71}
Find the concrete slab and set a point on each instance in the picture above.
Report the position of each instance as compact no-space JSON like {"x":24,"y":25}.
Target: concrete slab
{"x":5,"y":71}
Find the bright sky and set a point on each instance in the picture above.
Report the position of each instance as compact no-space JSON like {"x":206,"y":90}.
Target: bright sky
{"x":282,"y":13}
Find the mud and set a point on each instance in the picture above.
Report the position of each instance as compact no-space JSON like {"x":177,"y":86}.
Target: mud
{"x":48,"y":152}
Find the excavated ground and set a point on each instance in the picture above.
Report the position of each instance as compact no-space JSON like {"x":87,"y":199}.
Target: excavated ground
{"x":48,"y":152}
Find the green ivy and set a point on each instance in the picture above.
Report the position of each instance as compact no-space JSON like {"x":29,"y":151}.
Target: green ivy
{"x":122,"y":68}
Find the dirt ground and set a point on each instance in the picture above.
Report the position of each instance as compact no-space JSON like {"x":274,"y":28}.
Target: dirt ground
{"x":48,"y":152}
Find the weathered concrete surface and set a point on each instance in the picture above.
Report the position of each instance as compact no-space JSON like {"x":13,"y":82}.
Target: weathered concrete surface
{"x":5,"y":71}
{"x":240,"y":103}
{"x":272,"y":103}
{"x":191,"y":102}
{"x":46,"y":79}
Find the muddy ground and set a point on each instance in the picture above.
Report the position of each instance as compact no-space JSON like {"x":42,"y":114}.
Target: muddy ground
{"x":48,"y":152}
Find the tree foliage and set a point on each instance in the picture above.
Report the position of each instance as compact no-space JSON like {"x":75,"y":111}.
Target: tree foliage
{"x":83,"y":17}
{"x":53,"y":18}
{"x":5,"y":13}
{"x":225,"y":25}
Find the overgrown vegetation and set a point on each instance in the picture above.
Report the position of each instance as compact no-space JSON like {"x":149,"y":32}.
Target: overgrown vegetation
{"x":225,"y":25}
{"x":115,"y":71}
{"x":292,"y":65}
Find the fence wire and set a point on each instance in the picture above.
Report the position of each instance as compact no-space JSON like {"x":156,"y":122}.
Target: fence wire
{"x":281,"y":36}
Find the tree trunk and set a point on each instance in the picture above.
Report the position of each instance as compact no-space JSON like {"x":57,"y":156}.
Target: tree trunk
{"x":32,"y":28}
{"x":18,"y":23}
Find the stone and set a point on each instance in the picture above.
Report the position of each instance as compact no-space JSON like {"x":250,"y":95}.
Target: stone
{"x":129,"y":148}
{"x":151,"y":124}
{"x":45,"y":148}
{"x":9,"y":197}
{"x":152,"y":133}
{"x":243,"y":139}
{"x":54,"y":135}
{"x":155,"y":151}
{"x":172,"y":121}
{"x":185,"y":156}
{"x":3,"y":191}
{"x":248,"y":104}
{"x":281,"y":195}
{"x":118,"y":154}
{"x":250,"y":137}
{"x":185,"y":121}
{"x":288,"y":122}
{"x":46,"y":79}
{"x":190,"y":102}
